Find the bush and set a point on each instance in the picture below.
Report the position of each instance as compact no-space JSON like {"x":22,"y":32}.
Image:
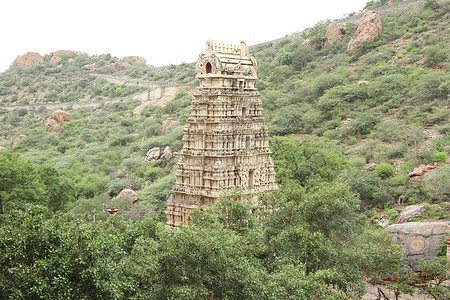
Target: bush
{"x":439,"y":156}
{"x":384,"y":170}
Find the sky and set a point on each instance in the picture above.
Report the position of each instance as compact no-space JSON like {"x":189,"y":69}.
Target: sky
{"x":163,"y":32}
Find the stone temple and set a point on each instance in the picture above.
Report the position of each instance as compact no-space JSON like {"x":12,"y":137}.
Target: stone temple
{"x":226,"y":141}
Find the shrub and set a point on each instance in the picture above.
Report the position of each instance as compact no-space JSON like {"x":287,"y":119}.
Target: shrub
{"x":400,"y":179}
{"x":439,"y":156}
{"x":384,"y":170}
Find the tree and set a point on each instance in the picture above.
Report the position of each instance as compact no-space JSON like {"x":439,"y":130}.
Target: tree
{"x":306,"y":161}
{"x":22,"y":182}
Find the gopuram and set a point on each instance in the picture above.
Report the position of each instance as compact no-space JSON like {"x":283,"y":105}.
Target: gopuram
{"x":225,"y":141}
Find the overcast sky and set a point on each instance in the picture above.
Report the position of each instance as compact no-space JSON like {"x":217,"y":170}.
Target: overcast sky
{"x":163,"y":32}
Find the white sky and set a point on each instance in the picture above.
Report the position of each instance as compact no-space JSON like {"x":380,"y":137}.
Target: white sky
{"x":163,"y":32}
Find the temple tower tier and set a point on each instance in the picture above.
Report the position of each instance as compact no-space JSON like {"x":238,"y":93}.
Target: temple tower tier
{"x":226,"y":141}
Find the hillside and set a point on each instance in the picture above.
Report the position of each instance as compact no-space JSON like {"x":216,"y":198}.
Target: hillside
{"x":355,"y":138}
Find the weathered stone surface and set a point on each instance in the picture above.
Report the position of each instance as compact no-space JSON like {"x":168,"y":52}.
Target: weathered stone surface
{"x":168,"y":124}
{"x":412,"y":211}
{"x":369,"y":166}
{"x":152,"y":154}
{"x":420,"y":239}
{"x":29,"y":59}
{"x":334,"y":33}
{"x":55,"y":60}
{"x":57,"y":120}
{"x":121,"y":65}
{"x":166,"y":154}
{"x":364,"y":82}
{"x":2,"y":148}
{"x":63,"y":52}
{"x":369,"y":28}
{"x":383,"y":222}
{"x":137,"y":59}
{"x":315,"y":44}
{"x":225,"y":141}
{"x":90,"y":67}
{"x":423,"y":172}
{"x":128,"y":194}
{"x":391,"y":2}
{"x":18,"y":140}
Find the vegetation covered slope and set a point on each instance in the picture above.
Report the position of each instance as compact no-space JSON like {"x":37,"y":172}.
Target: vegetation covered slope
{"x":306,"y":241}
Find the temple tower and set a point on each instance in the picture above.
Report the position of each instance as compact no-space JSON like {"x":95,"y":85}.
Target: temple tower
{"x":226,"y":141}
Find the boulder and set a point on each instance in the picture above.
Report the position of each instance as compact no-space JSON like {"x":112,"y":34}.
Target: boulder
{"x":334,"y":34}
{"x":152,"y":154}
{"x":383,"y":222}
{"x":166,"y":154}
{"x":57,"y":120}
{"x":90,"y":67}
{"x":128,"y":194}
{"x":364,"y":82}
{"x":412,"y":211}
{"x":420,"y":239}
{"x":167,"y":125}
{"x":137,"y":59}
{"x":18,"y":140}
{"x":63,"y":52}
{"x":121,"y":65}
{"x":55,"y":60}
{"x":29,"y":59}
{"x":2,"y":148}
{"x":369,"y":28}
{"x":423,"y":172}
{"x":369,"y":166}
{"x":316,"y":44}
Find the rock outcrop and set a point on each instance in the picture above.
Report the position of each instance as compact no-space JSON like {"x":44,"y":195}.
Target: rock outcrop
{"x":29,"y":59}
{"x":369,"y":166}
{"x":157,"y":153}
{"x":63,"y":52}
{"x":2,"y":148}
{"x":152,"y":154}
{"x":137,"y":59}
{"x":334,"y":34}
{"x":369,"y":28}
{"x":412,"y":211}
{"x":18,"y":140}
{"x":57,"y":120}
{"x":166,"y":154}
{"x":423,"y":172}
{"x":128,"y":194}
{"x":420,"y":239}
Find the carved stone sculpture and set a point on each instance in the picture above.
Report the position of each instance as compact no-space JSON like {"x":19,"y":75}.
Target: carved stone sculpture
{"x":226,"y":141}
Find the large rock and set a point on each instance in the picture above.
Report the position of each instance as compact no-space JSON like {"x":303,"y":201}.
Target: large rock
{"x":29,"y":59}
{"x":412,"y":211}
{"x":423,"y":172}
{"x":128,"y":194}
{"x":137,"y":59}
{"x":63,"y":52}
{"x":166,"y":154}
{"x":152,"y":154}
{"x":334,"y":34}
{"x":18,"y":140}
{"x":369,"y":28}
{"x":2,"y":148}
{"x":420,"y":239}
{"x":57,"y":120}
{"x":56,"y":56}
